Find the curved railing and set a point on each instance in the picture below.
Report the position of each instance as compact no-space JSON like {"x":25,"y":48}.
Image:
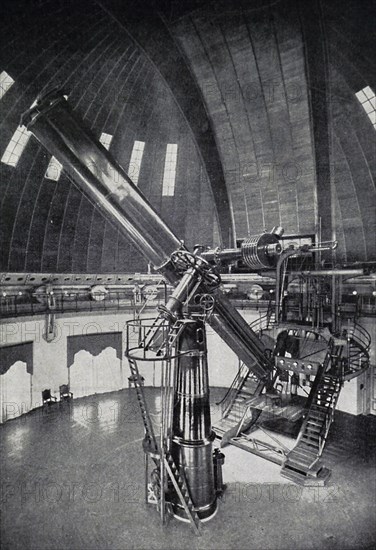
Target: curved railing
{"x":357,"y":360}
{"x":226,"y":402}
{"x":265,"y":321}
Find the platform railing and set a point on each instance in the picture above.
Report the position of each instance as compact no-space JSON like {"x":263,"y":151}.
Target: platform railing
{"x":18,"y":306}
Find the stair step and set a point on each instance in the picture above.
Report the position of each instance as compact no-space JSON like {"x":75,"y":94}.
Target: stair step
{"x":225,"y":420}
{"x":310,"y":453}
{"x":310,"y":437}
{"x":319,"y":409}
{"x":302,"y":456}
{"x":235,"y":414}
{"x":310,"y":444}
{"x":240,"y":398}
{"x":247,"y":394}
{"x":317,"y":477}
{"x":292,"y":475}
{"x":233,"y":417}
{"x":299,"y":462}
{"x":314,"y":448}
{"x":313,"y":428}
{"x":315,"y":422}
{"x":317,"y":414}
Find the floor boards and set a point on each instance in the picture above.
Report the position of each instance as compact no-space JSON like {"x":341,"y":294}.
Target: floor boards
{"x":74,"y":479}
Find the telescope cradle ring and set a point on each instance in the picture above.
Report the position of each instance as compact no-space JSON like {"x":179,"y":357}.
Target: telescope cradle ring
{"x":183,"y":260}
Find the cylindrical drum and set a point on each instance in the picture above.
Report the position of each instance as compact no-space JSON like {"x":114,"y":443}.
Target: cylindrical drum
{"x":191,"y":426}
{"x":261,"y":251}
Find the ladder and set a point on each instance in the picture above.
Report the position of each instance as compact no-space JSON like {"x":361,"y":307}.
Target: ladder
{"x":163,"y":457}
{"x":149,"y":432}
{"x":150,"y":334}
{"x":180,"y":485}
{"x":175,"y":330}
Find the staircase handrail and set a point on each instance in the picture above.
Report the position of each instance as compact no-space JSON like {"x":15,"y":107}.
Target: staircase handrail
{"x":228,"y":399}
{"x":329,"y":418}
{"x":263,"y":322}
{"x":361,"y":336}
{"x":359,"y":343}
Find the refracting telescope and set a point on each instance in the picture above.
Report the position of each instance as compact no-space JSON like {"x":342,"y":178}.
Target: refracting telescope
{"x":184,"y":453}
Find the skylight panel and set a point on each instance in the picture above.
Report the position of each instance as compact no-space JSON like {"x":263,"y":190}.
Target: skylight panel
{"x":16,"y":146}
{"x":6,"y":82}
{"x":367,"y":99}
{"x":53,"y":170}
{"x":168,"y":186}
{"x":135,"y":162}
{"x":105,"y":140}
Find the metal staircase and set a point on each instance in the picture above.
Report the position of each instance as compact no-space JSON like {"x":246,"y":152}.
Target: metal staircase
{"x":233,"y":404}
{"x":245,"y":386}
{"x":302,"y":463}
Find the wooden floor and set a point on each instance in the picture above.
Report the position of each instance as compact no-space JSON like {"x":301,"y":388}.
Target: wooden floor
{"x":74,"y":479}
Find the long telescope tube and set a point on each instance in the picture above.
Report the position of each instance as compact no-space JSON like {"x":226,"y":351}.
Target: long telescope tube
{"x":91,"y":166}
{"x":102,"y":179}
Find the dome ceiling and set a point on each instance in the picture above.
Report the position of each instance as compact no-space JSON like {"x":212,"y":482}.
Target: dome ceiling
{"x":259,"y":98}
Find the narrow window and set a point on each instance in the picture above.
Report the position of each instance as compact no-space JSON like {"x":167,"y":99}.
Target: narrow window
{"x":367,"y":99}
{"x":16,"y":146}
{"x":168,"y":187}
{"x":6,"y":82}
{"x":53,"y":170}
{"x":105,"y":140}
{"x":135,"y":162}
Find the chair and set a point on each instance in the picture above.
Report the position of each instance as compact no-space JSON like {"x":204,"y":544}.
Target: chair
{"x":47,"y":398}
{"x":65,"y":394}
